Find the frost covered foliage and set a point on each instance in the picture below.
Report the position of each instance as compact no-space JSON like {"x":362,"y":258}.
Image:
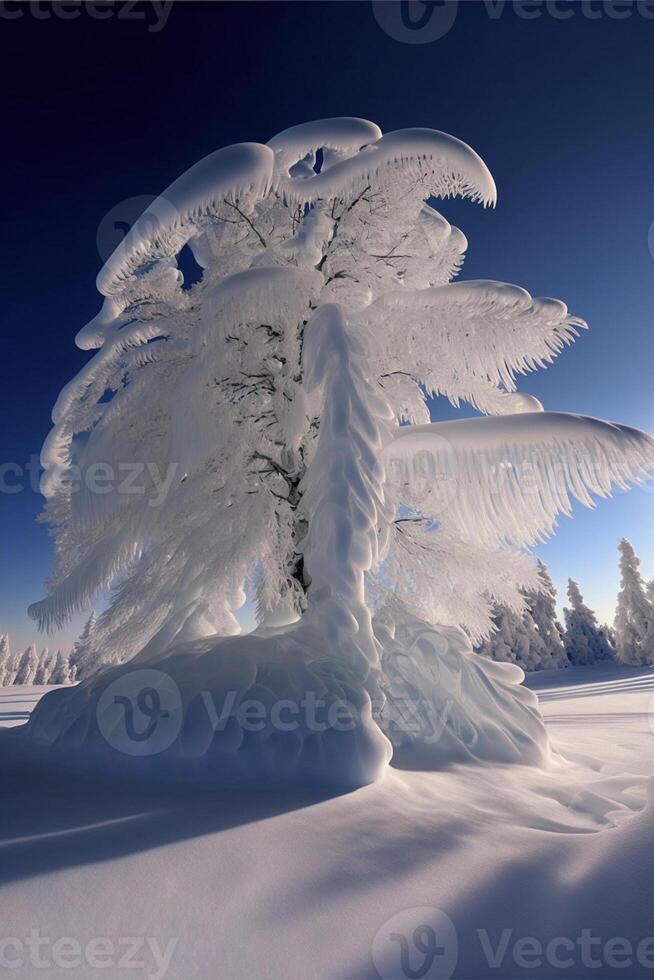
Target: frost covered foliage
{"x":272,"y":422}
{"x":634,"y":618}
{"x":585,"y":642}
{"x":530,"y":638}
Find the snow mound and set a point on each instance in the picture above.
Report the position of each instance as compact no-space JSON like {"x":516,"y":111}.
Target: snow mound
{"x":446,"y":704}
{"x":277,"y":706}
{"x":269,"y":707}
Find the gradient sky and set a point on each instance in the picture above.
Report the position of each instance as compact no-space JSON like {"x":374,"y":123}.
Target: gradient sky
{"x":98,"y":112}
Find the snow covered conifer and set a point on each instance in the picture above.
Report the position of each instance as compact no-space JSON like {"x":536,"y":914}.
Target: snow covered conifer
{"x":324,"y":243}
{"x":509,"y":641}
{"x":44,"y":667}
{"x":530,"y":637}
{"x":634,"y":618}
{"x":11,"y":667}
{"x":84,"y":658}
{"x":61,"y":670}
{"x":27,"y":667}
{"x":5,"y":660}
{"x":542,"y":607}
{"x":585,"y":643}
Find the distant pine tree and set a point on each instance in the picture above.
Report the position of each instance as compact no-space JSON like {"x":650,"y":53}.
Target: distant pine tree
{"x":61,"y":670}
{"x":509,"y":641}
{"x":585,"y":642}
{"x":5,"y":661}
{"x":27,"y":667}
{"x":12,"y":668}
{"x":84,"y":660}
{"x":634,"y":618}
{"x":531,"y":638}
{"x":542,"y":606}
{"x":44,"y":667}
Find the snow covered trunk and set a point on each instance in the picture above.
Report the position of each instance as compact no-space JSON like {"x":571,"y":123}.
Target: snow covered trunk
{"x":343,"y":492}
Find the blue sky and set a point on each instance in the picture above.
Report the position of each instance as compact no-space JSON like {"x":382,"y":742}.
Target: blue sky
{"x":99,"y":112}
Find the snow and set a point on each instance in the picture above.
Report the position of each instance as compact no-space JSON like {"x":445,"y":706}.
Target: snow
{"x":509,"y":477}
{"x":292,"y":885}
{"x":454,"y":168}
{"x":264,"y":708}
{"x":344,"y":135}
{"x":233,"y":171}
{"x":257,"y":410}
{"x":18,"y":702}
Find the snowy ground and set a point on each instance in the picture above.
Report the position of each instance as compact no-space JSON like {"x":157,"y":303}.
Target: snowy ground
{"x":474,"y":872}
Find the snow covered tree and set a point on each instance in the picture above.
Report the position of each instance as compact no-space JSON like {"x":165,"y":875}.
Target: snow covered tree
{"x":44,"y":667}
{"x":530,"y":638}
{"x":253,"y":427}
{"x":62,"y":671}
{"x":5,"y":660}
{"x":27,"y":666}
{"x":509,"y":641}
{"x":542,"y":607}
{"x":11,"y":667}
{"x":585,"y":642}
{"x":634,"y":618}
{"x":85,"y":658}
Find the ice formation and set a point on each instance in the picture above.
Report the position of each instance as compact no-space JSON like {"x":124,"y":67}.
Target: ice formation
{"x":274,"y":426}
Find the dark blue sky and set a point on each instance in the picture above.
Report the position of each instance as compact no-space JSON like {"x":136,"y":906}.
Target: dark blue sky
{"x":99,"y":111}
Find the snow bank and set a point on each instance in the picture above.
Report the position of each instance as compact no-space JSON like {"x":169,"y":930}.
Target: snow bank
{"x":446,"y":704}
{"x":269,"y":707}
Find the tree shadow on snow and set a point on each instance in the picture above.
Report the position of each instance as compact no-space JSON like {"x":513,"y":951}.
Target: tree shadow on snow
{"x":54,"y":818}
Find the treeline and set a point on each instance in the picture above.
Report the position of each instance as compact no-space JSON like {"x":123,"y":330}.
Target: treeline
{"x":35,"y":669}
{"x":535,"y":639}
